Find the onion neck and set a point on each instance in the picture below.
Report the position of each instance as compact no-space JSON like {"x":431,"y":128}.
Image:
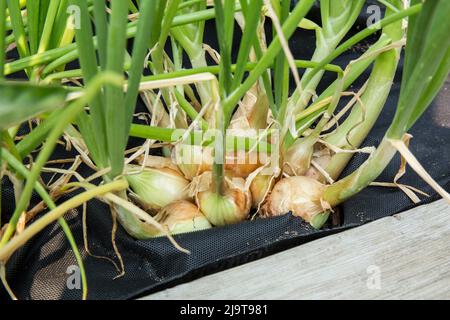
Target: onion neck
{"x":347,"y":187}
{"x":219,"y":179}
{"x":354,"y":130}
{"x":222,"y":121}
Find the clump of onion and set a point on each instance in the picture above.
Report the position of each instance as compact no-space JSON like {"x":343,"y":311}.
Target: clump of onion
{"x":182,"y":217}
{"x":157,"y":188}
{"x":231,"y":207}
{"x":300,"y":195}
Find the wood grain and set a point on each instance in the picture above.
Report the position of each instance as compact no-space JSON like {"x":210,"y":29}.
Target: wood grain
{"x":401,"y":257}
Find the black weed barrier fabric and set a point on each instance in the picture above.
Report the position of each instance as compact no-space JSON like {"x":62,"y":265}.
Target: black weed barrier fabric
{"x":42,"y":268}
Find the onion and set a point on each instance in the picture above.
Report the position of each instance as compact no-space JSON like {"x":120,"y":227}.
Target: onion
{"x":232,"y":207}
{"x":322,"y":158}
{"x":182,"y":217}
{"x":192,"y":160}
{"x":253,"y":110}
{"x":300,"y":195}
{"x":297,"y":159}
{"x":241,"y":170}
{"x":157,"y":188}
{"x":186,"y":157}
{"x":195,"y":160}
{"x":260,"y":188}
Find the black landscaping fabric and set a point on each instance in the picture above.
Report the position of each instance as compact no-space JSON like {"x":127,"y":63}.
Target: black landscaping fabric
{"x":39,"y":269}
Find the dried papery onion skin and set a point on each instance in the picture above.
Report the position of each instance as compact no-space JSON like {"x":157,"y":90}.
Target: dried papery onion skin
{"x":297,"y":160}
{"x":300,"y":195}
{"x":232,"y":207}
{"x":183,"y":217}
{"x":195,"y":160}
{"x":260,"y":188}
{"x":242,"y":166}
{"x":189,"y":159}
{"x":157,"y":188}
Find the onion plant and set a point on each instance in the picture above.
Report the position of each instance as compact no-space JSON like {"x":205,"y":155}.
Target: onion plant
{"x":234,"y":129}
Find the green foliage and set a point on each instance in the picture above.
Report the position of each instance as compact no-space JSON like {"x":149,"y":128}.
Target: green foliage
{"x":20,"y":102}
{"x":427,"y":64}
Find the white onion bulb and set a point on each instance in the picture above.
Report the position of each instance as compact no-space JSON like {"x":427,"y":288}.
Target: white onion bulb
{"x":157,"y":188}
{"x":182,"y":217}
{"x":192,"y":160}
{"x":297,"y":159}
{"x":300,"y":195}
{"x":232,"y":207}
{"x":195,"y":160}
{"x":260,"y":188}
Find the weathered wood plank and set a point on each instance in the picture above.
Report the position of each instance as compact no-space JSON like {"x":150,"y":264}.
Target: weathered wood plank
{"x":402,"y":257}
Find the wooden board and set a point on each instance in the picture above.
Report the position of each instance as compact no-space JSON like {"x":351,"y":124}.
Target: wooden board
{"x":401,"y":257}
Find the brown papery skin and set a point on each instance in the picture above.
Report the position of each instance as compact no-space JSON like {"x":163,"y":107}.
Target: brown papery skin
{"x":260,"y":187}
{"x":234,"y":169}
{"x":178,"y":211}
{"x":300,"y":195}
{"x":240,"y":199}
{"x":241,"y":170}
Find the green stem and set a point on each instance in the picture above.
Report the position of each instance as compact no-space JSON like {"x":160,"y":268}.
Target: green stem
{"x":267,"y":59}
{"x":147,"y":22}
{"x":307,"y":117}
{"x":88,"y":62}
{"x":33,"y":25}
{"x":32,"y":140}
{"x":233,"y":143}
{"x":304,"y":64}
{"x":364,"y":115}
{"x":48,"y":26}
{"x":18,"y":29}
{"x":364,"y":34}
{"x":115,"y":112}
{"x":334,"y":29}
{"x":190,"y":110}
{"x":2,"y":37}
{"x":69,"y":53}
{"x":101,"y":28}
{"x":347,"y":187}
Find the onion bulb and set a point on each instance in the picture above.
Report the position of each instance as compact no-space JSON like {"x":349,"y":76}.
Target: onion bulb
{"x":192,"y":160}
{"x":157,"y":188}
{"x":322,"y":158}
{"x":260,"y":188}
{"x":242,"y":168}
{"x":196,"y":160}
{"x":182,"y":217}
{"x":300,"y":195}
{"x":230,"y":208}
{"x":297,"y":159}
